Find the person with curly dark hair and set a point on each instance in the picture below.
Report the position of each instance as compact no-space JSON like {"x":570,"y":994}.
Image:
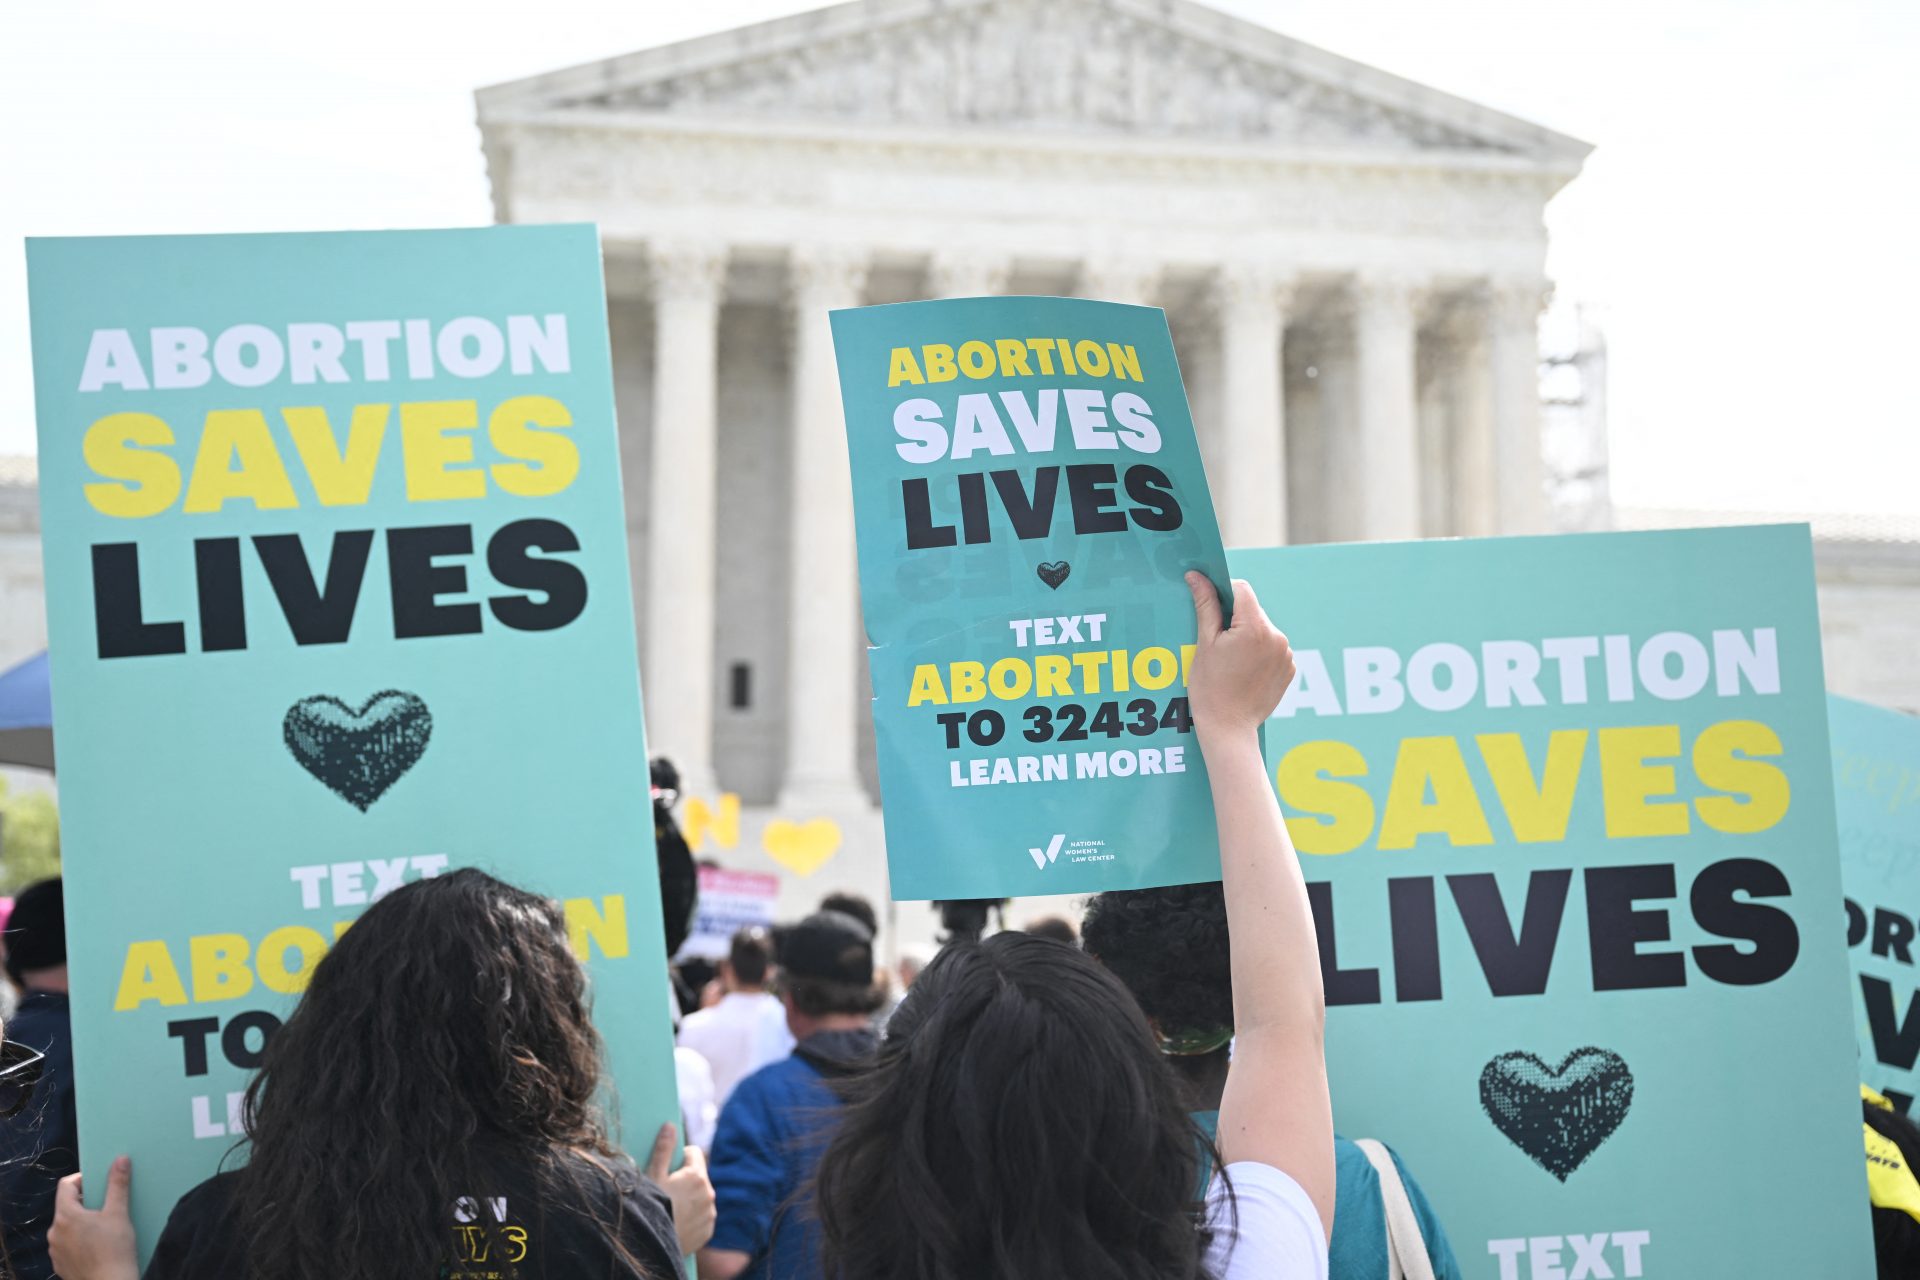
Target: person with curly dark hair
{"x":1170,"y":947}
{"x":433,"y":1107}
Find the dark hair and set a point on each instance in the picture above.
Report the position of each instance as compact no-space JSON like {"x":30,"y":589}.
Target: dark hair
{"x":36,"y":932}
{"x":749,"y":955}
{"x":820,"y":997}
{"x":1058,"y":928}
{"x":1018,"y":1121}
{"x":1170,"y":947}
{"x":442,"y":1045}
{"x":853,"y":904}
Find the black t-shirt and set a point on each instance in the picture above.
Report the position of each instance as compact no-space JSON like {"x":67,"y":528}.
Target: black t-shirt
{"x":528,"y":1239}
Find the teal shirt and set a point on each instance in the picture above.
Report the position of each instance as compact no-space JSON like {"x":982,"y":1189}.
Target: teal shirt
{"x":1358,"y":1250}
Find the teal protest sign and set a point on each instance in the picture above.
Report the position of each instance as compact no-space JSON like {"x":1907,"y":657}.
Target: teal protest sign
{"x":1028,"y":496}
{"x":1566,"y":815}
{"x":1876,"y":792}
{"x":338,"y":597}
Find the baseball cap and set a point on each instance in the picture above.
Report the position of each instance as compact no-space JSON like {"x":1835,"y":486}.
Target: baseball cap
{"x":828,"y":945}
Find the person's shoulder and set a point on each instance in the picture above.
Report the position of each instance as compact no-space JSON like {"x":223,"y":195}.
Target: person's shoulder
{"x":1356,"y":1172}
{"x":1269,"y":1228}
{"x":609,"y":1185}
{"x":201,"y":1237}
{"x":210,"y":1200}
{"x":41,"y":1020}
{"x":1363,"y":1209}
{"x":612,"y":1190}
{"x":700,"y":1018}
{"x":765,"y":1094}
{"x":1352,"y":1169}
{"x":779,"y":1076}
{"x":604,"y":1179}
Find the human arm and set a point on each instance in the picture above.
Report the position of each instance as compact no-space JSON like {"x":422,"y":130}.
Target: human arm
{"x":1276,"y":1110}
{"x":748,"y":1182}
{"x":94,"y":1244}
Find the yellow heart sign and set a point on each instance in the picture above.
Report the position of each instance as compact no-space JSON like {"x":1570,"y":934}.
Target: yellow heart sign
{"x":801,"y":847}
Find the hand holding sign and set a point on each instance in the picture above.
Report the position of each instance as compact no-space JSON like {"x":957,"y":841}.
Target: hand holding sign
{"x":95,"y":1243}
{"x":1241,"y":669}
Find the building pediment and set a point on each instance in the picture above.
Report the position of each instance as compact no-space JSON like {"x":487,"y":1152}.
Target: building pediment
{"x":1169,"y":69}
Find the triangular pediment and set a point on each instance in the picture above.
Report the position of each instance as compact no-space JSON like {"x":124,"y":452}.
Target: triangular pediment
{"x":1140,"y":68}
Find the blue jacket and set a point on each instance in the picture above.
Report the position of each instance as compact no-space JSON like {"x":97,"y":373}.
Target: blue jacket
{"x":1358,"y":1250}
{"x":772,"y":1133}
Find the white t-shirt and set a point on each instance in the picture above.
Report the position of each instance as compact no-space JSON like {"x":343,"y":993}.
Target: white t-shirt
{"x":1278,"y":1235}
{"x":737,"y":1037}
{"x":699,"y":1104}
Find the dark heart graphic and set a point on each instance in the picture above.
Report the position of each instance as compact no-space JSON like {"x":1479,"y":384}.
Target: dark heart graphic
{"x":1054,"y":572}
{"x":358,"y":754}
{"x":1558,"y":1115}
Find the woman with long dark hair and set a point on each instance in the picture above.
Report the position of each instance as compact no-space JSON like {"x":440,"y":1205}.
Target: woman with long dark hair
{"x":431,"y":1109}
{"x":1020,"y":1121}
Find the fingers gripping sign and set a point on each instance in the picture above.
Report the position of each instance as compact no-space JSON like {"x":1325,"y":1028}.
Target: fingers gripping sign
{"x":94,"y":1244}
{"x":1241,"y":666}
{"x":688,"y":1188}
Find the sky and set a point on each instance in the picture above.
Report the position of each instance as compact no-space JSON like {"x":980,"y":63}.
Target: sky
{"x":1744,"y":231}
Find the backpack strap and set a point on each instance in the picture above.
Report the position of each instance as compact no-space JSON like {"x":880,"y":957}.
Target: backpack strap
{"x":1406,"y":1247}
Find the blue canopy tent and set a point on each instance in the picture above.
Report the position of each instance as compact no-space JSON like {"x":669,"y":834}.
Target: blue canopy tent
{"x":26,"y":715}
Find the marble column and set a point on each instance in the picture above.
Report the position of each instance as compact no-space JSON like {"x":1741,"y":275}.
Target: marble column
{"x":1252,"y":484}
{"x":688,"y":280}
{"x":1134,"y":281}
{"x":1342,"y":449}
{"x":823,"y":770}
{"x":1433,"y":429}
{"x":967,"y":274}
{"x":1384,"y":335}
{"x":1475,"y":506}
{"x":1513,"y":376}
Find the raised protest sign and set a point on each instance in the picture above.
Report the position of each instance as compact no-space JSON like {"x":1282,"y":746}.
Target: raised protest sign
{"x":1028,"y":496}
{"x":729,"y":902}
{"x":1565,"y":810}
{"x":1876,"y":793}
{"x":338,"y":597}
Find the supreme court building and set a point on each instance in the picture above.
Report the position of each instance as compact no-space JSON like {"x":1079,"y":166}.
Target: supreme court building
{"x":1352,"y":265}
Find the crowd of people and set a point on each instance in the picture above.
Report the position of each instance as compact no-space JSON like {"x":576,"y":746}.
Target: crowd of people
{"x":1142,"y":1093}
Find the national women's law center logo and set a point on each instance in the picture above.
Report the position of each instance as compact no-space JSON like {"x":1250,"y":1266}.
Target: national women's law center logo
{"x":1078,"y":851}
{"x":1043,"y":858}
